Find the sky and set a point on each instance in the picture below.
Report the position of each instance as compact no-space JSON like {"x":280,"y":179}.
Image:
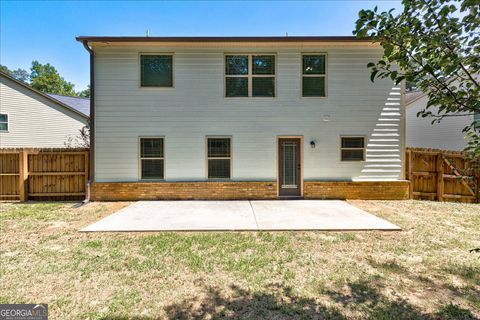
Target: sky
{"x":46,"y":30}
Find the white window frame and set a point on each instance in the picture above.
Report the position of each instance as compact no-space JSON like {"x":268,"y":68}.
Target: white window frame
{"x":140,"y":158}
{"x":140,"y":54}
{"x":219,"y":158}
{"x":364,"y":149}
{"x":8,"y":123}
{"x":249,"y":75}
{"x":325,"y":76}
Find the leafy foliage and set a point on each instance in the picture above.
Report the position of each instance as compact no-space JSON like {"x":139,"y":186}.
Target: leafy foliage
{"x":19,"y":74}
{"x":85,"y":93}
{"x":45,"y":78}
{"x":435,"y":45}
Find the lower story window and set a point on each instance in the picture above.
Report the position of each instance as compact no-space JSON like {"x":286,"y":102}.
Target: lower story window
{"x":353,"y":149}
{"x":219,"y":158}
{"x":151,"y":158}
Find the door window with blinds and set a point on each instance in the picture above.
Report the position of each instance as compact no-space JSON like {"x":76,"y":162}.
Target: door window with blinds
{"x":152,"y":158}
{"x":156,"y":70}
{"x":219,"y":158}
{"x":250,"y":75}
{"x":314,"y":75}
{"x":353,"y":149}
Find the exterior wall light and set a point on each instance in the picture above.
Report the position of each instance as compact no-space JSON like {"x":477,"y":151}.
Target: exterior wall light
{"x":312,"y":144}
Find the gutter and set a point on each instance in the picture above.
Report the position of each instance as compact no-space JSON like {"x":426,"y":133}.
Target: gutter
{"x":91,"y":170}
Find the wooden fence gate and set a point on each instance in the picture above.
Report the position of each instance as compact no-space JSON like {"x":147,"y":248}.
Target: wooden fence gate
{"x":441,"y":175}
{"x":43,"y":174}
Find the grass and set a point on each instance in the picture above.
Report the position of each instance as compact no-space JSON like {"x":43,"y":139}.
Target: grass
{"x":424,"y":272}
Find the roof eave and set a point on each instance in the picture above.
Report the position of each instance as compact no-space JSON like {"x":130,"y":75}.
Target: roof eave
{"x":86,"y":39}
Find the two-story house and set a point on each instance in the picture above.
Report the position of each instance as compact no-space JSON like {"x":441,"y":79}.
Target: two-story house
{"x":243,"y":118}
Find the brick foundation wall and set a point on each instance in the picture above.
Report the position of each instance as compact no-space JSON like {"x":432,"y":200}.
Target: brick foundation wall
{"x":240,"y":190}
{"x":208,"y":190}
{"x":365,"y":190}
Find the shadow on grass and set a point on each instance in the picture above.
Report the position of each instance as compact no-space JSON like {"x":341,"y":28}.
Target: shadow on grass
{"x":279,"y":303}
{"x":358,"y":300}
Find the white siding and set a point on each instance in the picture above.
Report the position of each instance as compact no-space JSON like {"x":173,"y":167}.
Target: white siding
{"x":35,"y":121}
{"x":196,"y":107}
{"x":446,"y":135}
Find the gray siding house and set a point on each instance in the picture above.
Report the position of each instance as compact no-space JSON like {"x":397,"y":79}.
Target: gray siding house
{"x":243,"y":117}
{"x":29,"y":118}
{"x":421,"y":133}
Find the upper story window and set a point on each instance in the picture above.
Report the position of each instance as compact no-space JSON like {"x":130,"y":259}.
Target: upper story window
{"x":353,"y":149}
{"x":250,"y":75}
{"x":156,"y":70}
{"x":151,"y":158}
{"x":314,"y":73}
{"x":3,"y":122}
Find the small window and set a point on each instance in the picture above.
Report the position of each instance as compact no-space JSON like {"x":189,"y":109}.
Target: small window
{"x":249,"y":76}
{"x":353,"y":149}
{"x":3,"y":122}
{"x":151,"y":158}
{"x":314,"y":75}
{"x":218,"y":158}
{"x":476,"y":119}
{"x":156,"y":70}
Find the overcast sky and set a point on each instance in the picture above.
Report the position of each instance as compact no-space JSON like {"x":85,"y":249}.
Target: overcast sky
{"x":46,"y":30}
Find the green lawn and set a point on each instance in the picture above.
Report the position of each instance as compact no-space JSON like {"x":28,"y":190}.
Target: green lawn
{"x":424,"y":272}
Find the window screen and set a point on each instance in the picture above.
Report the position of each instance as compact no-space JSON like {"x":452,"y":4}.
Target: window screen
{"x":353,"y":149}
{"x":151,"y":158}
{"x":3,"y":122}
{"x":314,"y":75}
{"x":156,"y":70}
{"x":219,"y":157}
{"x":250,"y":76}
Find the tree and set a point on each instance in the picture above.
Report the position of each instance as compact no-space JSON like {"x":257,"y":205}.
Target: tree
{"x":19,"y":74}
{"x":434,"y":44}
{"x":81,"y":140}
{"x":46,"y":78}
{"x":85,"y":93}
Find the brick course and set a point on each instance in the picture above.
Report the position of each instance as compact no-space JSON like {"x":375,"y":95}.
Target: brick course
{"x":362,"y":190}
{"x":241,"y":190}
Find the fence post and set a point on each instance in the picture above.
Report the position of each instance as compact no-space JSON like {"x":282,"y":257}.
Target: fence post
{"x":440,"y":183}
{"x":410,"y":175}
{"x":23,"y":175}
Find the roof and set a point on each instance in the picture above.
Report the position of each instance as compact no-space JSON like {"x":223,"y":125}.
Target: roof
{"x":80,"y":104}
{"x":224,"y":39}
{"x":45,"y":95}
{"x":413,"y":96}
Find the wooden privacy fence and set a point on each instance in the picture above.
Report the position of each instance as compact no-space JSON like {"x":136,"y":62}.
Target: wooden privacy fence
{"x":43,"y":174}
{"x":441,"y":175}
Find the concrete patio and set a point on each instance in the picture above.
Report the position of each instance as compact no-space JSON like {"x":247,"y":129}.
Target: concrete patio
{"x":240,"y":215}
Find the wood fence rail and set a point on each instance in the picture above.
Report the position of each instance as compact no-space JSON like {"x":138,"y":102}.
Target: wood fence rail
{"x":442,"y":175}
{"x":43,"y":174}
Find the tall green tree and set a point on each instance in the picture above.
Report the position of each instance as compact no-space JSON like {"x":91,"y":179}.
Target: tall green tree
{"x":85,"y":93}
{"x":45,"y":78}
{"x":434,"y":44}
{"x":19,"y":74}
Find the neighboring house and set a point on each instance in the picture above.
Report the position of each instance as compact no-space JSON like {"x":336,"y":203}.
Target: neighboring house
{"x":30,"y":118}
{"x":421,"y":133}
{"x":243,"y":118}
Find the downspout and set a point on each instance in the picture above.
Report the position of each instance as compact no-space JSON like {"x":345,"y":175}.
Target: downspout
{"x":91,"y":171}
